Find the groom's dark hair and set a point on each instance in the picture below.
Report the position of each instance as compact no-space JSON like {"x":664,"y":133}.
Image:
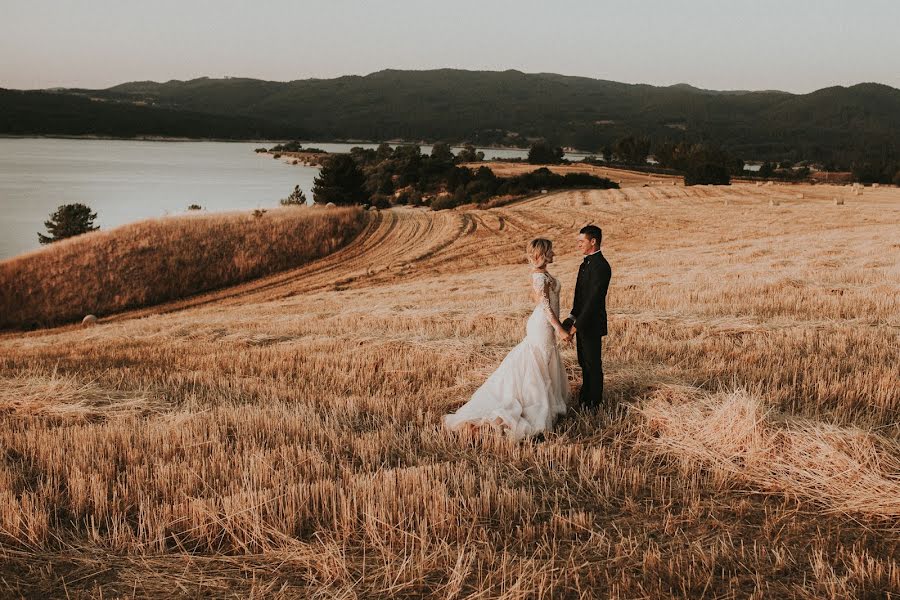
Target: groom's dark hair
{"x":593,"y":232}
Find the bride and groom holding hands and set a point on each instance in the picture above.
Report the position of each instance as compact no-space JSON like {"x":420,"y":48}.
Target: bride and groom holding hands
{"x":529,"y":389}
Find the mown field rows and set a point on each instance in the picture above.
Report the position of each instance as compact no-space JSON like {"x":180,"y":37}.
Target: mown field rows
{"x":282,"y":438}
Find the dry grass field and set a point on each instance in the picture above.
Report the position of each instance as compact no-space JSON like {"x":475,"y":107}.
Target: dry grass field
{"x":281,"y":439}
{"x":157,"y":260}
{"x":623,"y":177}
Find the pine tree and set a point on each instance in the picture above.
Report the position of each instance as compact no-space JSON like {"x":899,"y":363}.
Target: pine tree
{"x":297,"y":198}
{"x":340,"y":181}
{"x":68,"y":220}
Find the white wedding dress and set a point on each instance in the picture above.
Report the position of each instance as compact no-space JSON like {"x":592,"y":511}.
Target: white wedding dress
{"x":530,"y":388}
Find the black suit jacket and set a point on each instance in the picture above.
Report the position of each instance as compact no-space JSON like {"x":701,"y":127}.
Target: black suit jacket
{"x":589,"y":305}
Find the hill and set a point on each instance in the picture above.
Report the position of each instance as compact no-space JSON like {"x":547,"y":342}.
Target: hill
{"x":510,"y":107}
{"x":284,"y":440}
{"x":157,"y":260}
{"x":59,"y":113}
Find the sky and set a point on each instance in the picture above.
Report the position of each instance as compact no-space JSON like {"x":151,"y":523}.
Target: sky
{"x":791,"y":45}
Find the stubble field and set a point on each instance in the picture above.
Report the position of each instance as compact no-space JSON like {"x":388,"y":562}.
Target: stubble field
{"x":282,"y":439}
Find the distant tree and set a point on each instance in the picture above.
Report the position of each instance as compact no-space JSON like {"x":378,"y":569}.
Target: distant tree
{"x":632,"y":150}
{"x":362,"y":155}
{"x":469,"y":154}
{"x":706,"y":173}
{"x":340,"y":181}
{"x":384,"y":151}
{"x":296,"y":198}
{"x":195,"y":207}
{"x":407,"y":164}
{"x":607,"y":153}
{"x":543,"y":153}
{"x":69,"y":220}
{"x":766,"y":170}
{"x":441,"y":153}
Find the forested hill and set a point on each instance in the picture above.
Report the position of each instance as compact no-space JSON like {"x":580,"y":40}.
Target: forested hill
{"x":837,"y":123}
{"x":56,"y":113}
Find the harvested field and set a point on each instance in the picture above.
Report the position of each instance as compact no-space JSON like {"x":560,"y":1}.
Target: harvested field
{"x":623,"y":177}
{"x":281,"y":438}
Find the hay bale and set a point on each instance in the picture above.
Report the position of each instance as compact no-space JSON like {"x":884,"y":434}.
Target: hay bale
{"x":770,"y":183}
{"x":330,"y":205}
{"x":89,"y":320}
{"x":773,"y":202}
{"x":800,"y":196}
{"x":759,"y":184}
{"x":874,"y":185}
{"x":839,"y":201}
{"x":375,"y":208}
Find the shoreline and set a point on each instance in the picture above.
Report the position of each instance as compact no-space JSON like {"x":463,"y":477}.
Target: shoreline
{"x":163,"y":138}
{"x":142,"y":138}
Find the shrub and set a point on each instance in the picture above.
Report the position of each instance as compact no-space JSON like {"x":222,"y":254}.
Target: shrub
{"x":707,"y":173}
{"x":381,"y":201}
{"x":195,"y":207}
{"x":445,"y":201}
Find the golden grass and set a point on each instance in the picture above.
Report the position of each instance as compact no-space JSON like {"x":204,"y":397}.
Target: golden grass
{"x":281,"y":438}
{"x":624,"y":177}
{"x":153,"y":261}
{"x":847,"y":470}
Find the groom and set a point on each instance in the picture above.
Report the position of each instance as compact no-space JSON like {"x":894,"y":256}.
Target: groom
{"x":588,"y":316}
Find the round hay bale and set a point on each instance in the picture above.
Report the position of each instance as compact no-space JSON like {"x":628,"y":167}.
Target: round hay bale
{"x":800,"y":196}
{"x":773,"y":202}
{"x":759,"y":184}
{"x":89,"y":320}
{"x":839,"y":201}
{"x":330,"y":205}
{"x":375,"y":208}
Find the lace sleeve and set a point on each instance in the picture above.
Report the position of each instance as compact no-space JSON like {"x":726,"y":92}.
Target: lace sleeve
{"x":540,"y":283}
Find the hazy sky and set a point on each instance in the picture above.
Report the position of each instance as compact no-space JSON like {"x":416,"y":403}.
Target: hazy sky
{"x":792,"y":45}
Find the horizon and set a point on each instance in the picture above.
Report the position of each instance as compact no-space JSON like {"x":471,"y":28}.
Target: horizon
{"x":766,"y":46}
{"x":363,"y":75}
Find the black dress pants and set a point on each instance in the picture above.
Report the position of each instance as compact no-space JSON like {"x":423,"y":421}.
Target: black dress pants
{"x":590,"y":359}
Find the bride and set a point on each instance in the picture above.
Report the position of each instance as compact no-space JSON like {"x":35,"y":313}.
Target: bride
{"x":529,"y":389}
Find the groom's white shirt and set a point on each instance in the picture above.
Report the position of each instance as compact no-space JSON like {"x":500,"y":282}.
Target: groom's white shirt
{"x":571,"y":315}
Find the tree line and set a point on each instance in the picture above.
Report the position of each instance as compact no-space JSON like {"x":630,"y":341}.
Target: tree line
{"x":387,"y":176}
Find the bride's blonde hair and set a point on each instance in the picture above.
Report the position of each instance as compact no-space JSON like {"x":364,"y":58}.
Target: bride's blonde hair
{"x":537,"y":251}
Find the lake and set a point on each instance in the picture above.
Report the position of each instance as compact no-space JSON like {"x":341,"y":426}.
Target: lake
{"x":124,"y":181}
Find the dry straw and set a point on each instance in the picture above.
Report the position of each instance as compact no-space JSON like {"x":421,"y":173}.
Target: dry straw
{"x":281,"y":438}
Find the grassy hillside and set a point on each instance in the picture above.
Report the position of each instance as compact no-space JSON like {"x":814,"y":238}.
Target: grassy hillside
{"x":285,"y":442}
{"x":153,"y":261}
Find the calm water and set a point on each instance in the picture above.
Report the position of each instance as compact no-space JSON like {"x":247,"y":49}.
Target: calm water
{"x":124,"y":181}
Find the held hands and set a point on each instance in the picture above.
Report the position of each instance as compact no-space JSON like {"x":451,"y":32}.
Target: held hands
{"x":565,"y":336}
